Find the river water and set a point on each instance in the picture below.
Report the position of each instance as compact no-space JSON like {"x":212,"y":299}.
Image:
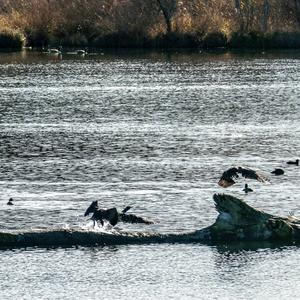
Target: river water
{"x":154,"y":131}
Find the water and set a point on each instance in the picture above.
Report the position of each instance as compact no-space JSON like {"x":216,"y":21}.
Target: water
{"x":154,"y":131}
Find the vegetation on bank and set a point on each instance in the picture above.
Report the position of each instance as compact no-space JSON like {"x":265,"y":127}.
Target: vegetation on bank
{"x":11,"y":38}
{"x":151,"y":23}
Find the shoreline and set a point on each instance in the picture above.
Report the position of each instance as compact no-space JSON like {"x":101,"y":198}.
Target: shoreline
{"x":205,"y":42}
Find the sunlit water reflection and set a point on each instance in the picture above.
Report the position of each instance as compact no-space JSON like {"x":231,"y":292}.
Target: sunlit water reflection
{"x":154,"y":131}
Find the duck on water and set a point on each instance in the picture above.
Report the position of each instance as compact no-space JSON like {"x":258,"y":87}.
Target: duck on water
{"x":55,"y":50}
{"x":237,"y":222}
{"x":296,"y":162}
{"x":247,"y":189}
{"x":10,"y":201}
{"x":278,"y":172}
{"x":81,"y":52}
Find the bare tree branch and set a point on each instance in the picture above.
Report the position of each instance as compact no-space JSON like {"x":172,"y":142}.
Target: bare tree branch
{"x":168,"y":8}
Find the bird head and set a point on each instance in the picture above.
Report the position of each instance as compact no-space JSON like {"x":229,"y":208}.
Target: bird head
{"x":92,"y":208}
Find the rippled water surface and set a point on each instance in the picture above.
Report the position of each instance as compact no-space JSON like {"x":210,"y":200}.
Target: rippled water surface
{"x":154,"y":131}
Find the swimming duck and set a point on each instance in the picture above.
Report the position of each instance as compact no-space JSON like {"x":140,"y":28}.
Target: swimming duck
{"x":81,"y":52}
{"x":55,"y":51}
{"x":278,"y":172}
{"x":10,"y":201}
{"x":247,"y":189}
{"x":296,"y":162}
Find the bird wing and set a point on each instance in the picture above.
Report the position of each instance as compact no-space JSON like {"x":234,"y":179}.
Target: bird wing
{"x":111,"y":215}
{"x":251,"y":174}
{"x":130,"y":218}
{"x":226,"y":179}
{"x":126,"y":209}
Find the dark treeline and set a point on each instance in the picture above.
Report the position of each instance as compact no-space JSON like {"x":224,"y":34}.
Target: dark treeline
{"x":150,"y":23}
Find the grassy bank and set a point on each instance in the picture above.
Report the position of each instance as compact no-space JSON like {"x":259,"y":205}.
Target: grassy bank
{"x":150,"y":24}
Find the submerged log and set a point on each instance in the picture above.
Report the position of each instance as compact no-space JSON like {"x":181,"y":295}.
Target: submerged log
{"x":237,"y":221}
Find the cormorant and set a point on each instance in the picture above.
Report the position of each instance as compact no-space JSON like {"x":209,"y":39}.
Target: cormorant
{"x":10,"y":201}
{"x":112,"y":215}
{"x":247,"y":189}
{"x":278,"y":172}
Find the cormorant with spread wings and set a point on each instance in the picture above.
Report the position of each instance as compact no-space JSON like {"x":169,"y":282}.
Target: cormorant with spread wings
{"x":113,"y":216}
{"x":227,"y":177}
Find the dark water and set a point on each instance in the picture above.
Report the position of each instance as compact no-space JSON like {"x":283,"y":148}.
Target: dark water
{"x":154,"y":131}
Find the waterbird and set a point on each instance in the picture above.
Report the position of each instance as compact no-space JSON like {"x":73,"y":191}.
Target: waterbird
{"x":10,"y":201}
{"x":112,"y":215}
{"x":226,"y":179}
{"x":126,"y":209}
{"x":278,"y":172}
{"x":81,"y":52}
{"x":296,"y":162}
{"x":54,"y":51}
{"x":247,"y":189}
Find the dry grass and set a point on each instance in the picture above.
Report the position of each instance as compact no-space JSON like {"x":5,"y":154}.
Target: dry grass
{"x":140,"y":23}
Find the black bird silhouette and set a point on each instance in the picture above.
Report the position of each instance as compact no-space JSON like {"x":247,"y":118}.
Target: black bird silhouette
{"x":112,"y":215}
{"x":126,"y":209}
{"x":247,"y":189}
{"x":10,"y":201}
{"x":226,"y":179}
{"x":296,"y":162}
{"x":278,"y":172}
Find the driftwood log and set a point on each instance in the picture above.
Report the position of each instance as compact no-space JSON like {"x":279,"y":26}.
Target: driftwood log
{"x":237,"y":222}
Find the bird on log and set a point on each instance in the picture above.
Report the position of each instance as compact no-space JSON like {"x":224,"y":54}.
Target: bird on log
{"x":112,"y":215}
{"x":236,"y":222}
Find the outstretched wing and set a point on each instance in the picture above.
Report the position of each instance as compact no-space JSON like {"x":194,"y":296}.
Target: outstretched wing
{"x":126,"y":209}
{"x":111,"y":215}
{"x":251,"y":174}
{"x":226,"y":179}
{"x":129,"y":218}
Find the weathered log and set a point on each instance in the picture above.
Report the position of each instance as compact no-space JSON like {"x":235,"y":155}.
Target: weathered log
{"x":237,"y":222}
